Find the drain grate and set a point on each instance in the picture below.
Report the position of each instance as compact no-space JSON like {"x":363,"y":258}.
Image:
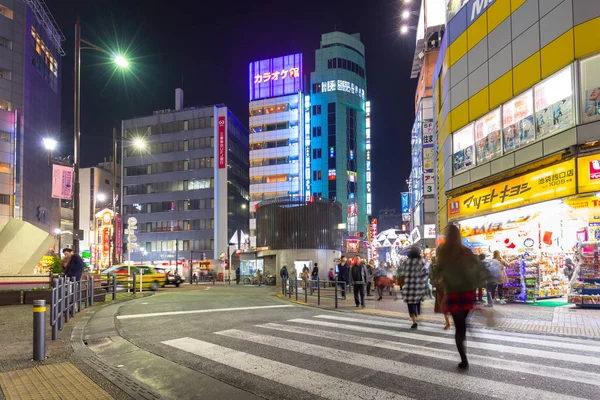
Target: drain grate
{"x":97,"y":342}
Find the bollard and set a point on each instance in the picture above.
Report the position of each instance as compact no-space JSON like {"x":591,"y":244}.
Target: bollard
{"x":306,"y":291}
{"x":73,"y":293}
{"x":289,"y":283}
{"x":296,"y":283}
{"x":336,"y":294}
{"x":54,"y":309}
{"x":79,"y":296}
{"x":134,"y":282}
{"x":114,"y":287}
{"x":318,"y":292}
{"x":39,"y":330}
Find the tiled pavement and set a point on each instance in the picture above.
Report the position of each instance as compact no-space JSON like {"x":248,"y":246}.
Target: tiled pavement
{"x":563,"y":320}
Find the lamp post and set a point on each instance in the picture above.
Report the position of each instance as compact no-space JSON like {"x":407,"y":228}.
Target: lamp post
{"x":58,"y":232}
{"x":121,"y":62}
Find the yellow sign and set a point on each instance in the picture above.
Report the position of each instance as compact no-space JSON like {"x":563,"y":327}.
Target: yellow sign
{"x":541,"y":185}
{"x":588,"y":173}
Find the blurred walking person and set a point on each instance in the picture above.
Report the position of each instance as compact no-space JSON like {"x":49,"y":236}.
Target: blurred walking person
{"x":462,"y":274}
{"x":343,"y":275}
{"x":415,"y":283}
{"x":314,"y":275}
{"x":440,"y":297}
{"x":504,"y":277}
{"x":360,"y":277}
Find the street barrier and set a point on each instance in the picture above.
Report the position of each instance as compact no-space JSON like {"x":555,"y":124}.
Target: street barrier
{"x":323,"y":289}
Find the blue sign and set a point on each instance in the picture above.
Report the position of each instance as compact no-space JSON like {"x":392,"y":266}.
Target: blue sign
{"x":275,"y":76}
{"x":405,"y":203}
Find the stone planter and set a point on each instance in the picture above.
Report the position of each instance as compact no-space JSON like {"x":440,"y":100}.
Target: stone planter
{"x":10,"y":298}
{"x":31,"y":295}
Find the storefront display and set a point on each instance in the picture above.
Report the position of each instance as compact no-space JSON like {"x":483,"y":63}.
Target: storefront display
{"x":590,"y":89}
{"x":519,"y":128}
{"x":463,"y":149}
{"x":554,"y":103}
{"x":488,"y":136}
{"x":586,"y":291}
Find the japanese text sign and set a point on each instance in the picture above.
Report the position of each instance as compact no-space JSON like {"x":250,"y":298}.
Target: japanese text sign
{"x":222,"y":146}
{"x":275,"y":76}
{"x":62,"y":182}
{"x":545,"y":184}
{"x":588,"y":173}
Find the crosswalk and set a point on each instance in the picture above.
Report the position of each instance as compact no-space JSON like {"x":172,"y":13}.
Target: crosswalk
{"x":333,"y":356}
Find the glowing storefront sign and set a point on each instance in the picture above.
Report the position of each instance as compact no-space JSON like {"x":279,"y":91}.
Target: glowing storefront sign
{"x":588,"y":173}
{"x":275,"y":76}
{"x":307,"y":146}
{"x":368,"y":157}
{"x":545,"y":184}
{"x":374,"y":232}
{"x":222,"y":152}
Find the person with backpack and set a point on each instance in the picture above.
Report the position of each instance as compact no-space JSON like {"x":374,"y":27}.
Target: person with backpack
{"x":415,"y":283}
{"x":493,"y":275}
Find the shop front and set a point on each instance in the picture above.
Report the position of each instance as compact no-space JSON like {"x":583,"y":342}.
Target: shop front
{"x":546,"y":224}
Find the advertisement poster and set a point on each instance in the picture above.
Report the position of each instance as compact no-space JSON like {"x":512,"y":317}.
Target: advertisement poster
{"x":275,"y":76}
{"x":222,"y":147}
{"x":554,"y":103}
{"x":119,"y":234}
{"x":519,"y":127}
{"x":464,"y":157}
{"x":405,"y":202}
{"x":590,"y":89}
{"x":588,"y":173}
{"x":454,"y":6}
{"x":62,"y":182}
{"x":488,"y":136}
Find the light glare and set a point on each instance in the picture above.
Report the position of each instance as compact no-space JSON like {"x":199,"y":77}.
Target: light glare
{"x":121,"y":61}
{"x":50,"y":144}
{"x":405,"y":14}
{"x":404,"y":29}
{"x":139,"y":143}
{"x":101,"y":197}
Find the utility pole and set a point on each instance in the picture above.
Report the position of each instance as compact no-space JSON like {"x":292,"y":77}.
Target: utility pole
{"x":114,"y":198}
{"x":176,"y":256}
{"x":76,"y":136}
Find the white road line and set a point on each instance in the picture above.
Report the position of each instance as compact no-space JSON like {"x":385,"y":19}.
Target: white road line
{"x":311,"y":382}
{"x":160,"y":314}
{"x":536,"y":342}
{"x":576,"y":358}
{"x":566,"y":374}
{"x":486,"y":387}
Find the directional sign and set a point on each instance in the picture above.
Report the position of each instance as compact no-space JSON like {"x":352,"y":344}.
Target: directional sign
{"x":132,"y":246}
{"x":131,"y":238}
{"x":132,"y":221}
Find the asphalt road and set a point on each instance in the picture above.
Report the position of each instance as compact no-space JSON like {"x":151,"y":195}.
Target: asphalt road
{"x":269,"y":348}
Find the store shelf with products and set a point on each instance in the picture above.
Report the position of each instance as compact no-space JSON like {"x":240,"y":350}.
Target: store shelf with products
{"x":586,"y":291}
{"x":514,"y":289}
{"x":551,"y":282}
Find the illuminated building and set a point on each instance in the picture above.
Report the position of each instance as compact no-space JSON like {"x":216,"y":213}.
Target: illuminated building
{"x":279,"y":123}
{"x":277,"y":131}
{"x":30,"y":72}
{"x":338,"y":137}
{"x":187,"y":185}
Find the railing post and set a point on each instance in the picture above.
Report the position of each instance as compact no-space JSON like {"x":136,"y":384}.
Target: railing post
{"x":39,"y":330}
{"x":318,"y":292}
{"x":67,"y":299}
{"x":73,"y":296}
{"x":92,"y":291}
{"x":114,"y":287}
{"x":54,"y":309}
{"x":134,"y":282}
{"x":79,"y":296}
{"x":306,"y":290}
{"x":336,"y":293}
{"x":296,"y":280}
{"x":60,"y":302}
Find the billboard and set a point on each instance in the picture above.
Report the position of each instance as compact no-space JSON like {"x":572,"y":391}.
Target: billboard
{"x":275,"y":76}
{"x":222,"y":147}
{"x":62,"y":182}
{"x":405,"y":201}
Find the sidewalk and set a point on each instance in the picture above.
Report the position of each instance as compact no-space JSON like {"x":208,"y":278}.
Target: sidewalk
{"x":61,"y":376}
{"x":565,"y":320}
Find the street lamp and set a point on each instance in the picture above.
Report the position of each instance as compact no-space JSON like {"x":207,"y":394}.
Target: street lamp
{"x":101,"y":197}
{"x":121,"y":62}
{"x":50,"y":145}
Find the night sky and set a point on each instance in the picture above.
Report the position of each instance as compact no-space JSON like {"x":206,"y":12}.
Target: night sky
{"x":205,"y":47}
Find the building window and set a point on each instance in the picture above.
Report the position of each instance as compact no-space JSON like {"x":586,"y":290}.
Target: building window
{"x":5,"y":199}
{"x":5,"y":74}
{"x":316,"y":88}
{"x":316,"y":153}
{"x":4,"y":168}
{"x":317,"y":175}
{"x":554,"y":103}
{"x":590,"y":89}
{"x":316,"y":131}
{"x":107,"y":181}
{"x":4,"y":42}
{"x":7,"y":12}
{"x":463,"y":143}
{"x":518,"y":125}
{"x":316,"y":109}
{"x":5,"y":105}
{"x":44,"y":61}
{"x":4,"y":136}
{"x":488,"y":136}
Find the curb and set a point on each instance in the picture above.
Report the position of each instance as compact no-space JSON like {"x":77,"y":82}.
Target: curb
{"x":474,"y":325}
{"x":120,"y":379}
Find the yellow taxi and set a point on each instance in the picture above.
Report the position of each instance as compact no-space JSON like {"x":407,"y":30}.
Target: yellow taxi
{"x":147,"y":277}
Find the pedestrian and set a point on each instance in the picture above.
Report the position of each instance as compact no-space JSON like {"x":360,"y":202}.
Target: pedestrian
{"x":343,"y":274}
{"x":305,"y":276}
{"x":237,"y":276}
{"x":371,"y":272}
{"x":415,"y":283}
{"x":284,"y":275}
{"x":461,"y":274}
{"x":194,"y":277}
{"x":436,"y":280}
{"x":75,"y":265}
{"x":258,"y":276}
{"x":360,"y":277}
{"x":569,"y":268}
{"x":503,"y":277}
{"x":314,"y":274}
{"x":493,"y":274}
{"x":331,"y":276}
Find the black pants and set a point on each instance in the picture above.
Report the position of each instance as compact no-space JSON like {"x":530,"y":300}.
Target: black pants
{"x":460,"y":324}
{"x":343,"y":289}
{"x":500,"y":290}
{"x":359,"y":292}
{"x":491,"y":290}
{"x":414,"y":309}
{"x":368,"y":288}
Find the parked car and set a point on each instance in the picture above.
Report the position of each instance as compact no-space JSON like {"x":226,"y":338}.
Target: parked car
{"x":147,"y":277}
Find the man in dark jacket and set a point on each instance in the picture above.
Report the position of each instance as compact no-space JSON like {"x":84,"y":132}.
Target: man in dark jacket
{"x":344,"y":274}
{"x":75,"y":264}
{"x":360,"y":277}
{"x":237,"y":276}
{"x":284,"y":274}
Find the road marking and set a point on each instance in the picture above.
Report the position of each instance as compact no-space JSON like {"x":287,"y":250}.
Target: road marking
{"x":536,"y":342}
{"x":160,"y":314}
{"x":311,"y":382}
{"x":576,"y":358}
{"x":567,"y":374}
{"x":434,"y":376}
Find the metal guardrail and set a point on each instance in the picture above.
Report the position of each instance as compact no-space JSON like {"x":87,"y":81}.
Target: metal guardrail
{"x":67,"y":298}
{"x":323,"y":288}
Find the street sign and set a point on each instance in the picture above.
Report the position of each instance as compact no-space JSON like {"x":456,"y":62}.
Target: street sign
{"x":132,"y":221}
{"x":132,"y":246}
{"x":131,"y":238}
{"x":234,"y":238}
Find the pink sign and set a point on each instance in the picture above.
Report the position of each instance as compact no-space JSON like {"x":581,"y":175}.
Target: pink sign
{"x":222,"y":146}
{"x":119,"y":234}
{"x":62,"y":182}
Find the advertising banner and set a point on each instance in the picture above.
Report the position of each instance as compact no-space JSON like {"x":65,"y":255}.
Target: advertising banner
{"x":429,"y":231}
{"x":62,"y":182}
{"x":374,"y":232}
{"x":119,"y":234}
{"x":588,"y":173}
{"x":535,"y":187}
{"x":222,"y":146}
{"x":405,"y":202}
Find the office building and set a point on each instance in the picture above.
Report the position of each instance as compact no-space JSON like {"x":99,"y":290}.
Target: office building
{"x":277,"y":126}
{"x":30,"y":65}
{"x":338,"y":121}
{"x":185,"y":180}
{"x":389,"y":218}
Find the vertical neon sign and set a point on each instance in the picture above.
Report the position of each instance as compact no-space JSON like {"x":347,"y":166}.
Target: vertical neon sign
{"x":368,"y":157}
{"x":307,"y":146}
{"x":222,"y":147}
